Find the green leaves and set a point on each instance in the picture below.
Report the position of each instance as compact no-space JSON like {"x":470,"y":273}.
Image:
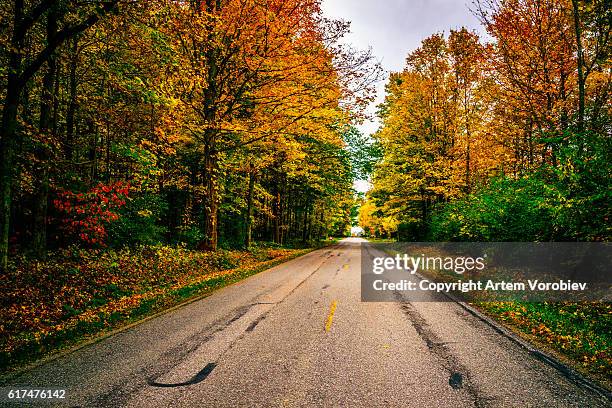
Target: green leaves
{"x":363,"y":152}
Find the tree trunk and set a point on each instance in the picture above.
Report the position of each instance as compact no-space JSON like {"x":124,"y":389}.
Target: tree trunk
{"x":276,"y":212}
{"x":468,"y":136}
{"x":8,"y":137}
{"x":249,"y":214}
{"x":305,"y":225}
{"x":210,"y":204}
{"x":580,"y":63}
{"x":468,"y":180}
{"x":72,"y":105}
{"x":93,"y":151}
{"x":321,"y":227}
{"x":39,"y":238}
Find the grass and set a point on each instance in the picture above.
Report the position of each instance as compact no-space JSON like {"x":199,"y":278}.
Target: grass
{"x":374,"y":240}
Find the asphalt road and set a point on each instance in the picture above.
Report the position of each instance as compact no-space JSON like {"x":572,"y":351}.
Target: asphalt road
{"x":298,"y":335}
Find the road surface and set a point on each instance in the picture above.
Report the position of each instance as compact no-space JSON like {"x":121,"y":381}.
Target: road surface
{"x":298,"y":335}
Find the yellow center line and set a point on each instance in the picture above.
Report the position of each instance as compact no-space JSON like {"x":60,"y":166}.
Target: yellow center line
{"x":330,"y":317}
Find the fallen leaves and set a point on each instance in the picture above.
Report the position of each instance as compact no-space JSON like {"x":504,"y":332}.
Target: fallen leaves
{"x":582,"y":331}
{"x":79,"y":291}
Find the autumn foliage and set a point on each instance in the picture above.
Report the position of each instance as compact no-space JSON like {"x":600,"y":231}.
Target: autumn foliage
{"x":225,"y":118}
{"x":85,"y":214}
{"x":501,"y":140}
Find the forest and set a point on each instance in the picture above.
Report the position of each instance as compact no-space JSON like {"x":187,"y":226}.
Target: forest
{"x":145,"y":144}
{"x":502,"y":139}
{"x":208,"y":123}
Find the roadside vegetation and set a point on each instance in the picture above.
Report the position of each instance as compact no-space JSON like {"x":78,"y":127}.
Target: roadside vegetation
{"x":76,"y":293}
{"x":580,"y":333}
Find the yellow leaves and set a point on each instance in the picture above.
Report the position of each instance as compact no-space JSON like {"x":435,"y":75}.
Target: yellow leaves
{"x":373,"y":224}
{"x":237,"y":78}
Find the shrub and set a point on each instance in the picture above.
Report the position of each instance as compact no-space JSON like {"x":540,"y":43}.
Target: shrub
{"x":506,"y":210}
{"x":567,"y":201}
{"x":139,"y":222}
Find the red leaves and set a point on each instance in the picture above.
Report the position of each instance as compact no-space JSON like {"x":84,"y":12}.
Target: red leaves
{"x":87,"y":213}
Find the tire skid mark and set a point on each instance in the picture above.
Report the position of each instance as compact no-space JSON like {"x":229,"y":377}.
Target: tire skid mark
{"x":199,"y":377}
{"x":255,"y":322}
{"x":120,"y":394}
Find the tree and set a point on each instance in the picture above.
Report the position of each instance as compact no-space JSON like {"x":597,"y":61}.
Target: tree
{"x":20,"y":71}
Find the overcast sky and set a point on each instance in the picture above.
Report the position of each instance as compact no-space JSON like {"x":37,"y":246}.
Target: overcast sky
{"x":393,"y":28}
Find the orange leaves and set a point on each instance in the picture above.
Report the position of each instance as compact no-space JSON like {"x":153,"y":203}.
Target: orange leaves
{"x":534,"y":57}
{"x":542,"y":331}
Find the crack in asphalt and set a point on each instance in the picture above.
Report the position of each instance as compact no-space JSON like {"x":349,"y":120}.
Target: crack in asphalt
{"x":459,"y":375}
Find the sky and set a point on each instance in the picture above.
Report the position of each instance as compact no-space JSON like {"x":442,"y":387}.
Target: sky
{"x":394,"y":28}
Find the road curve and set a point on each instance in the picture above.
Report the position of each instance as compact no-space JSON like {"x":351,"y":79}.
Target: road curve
{"x":297,"y":335}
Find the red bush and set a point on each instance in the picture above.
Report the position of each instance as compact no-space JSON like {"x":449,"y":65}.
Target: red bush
{"x":86,"y":214}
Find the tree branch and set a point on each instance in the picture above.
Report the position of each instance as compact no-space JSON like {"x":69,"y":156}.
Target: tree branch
{"x":61,"y":36}
{"x":34,"y":14}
